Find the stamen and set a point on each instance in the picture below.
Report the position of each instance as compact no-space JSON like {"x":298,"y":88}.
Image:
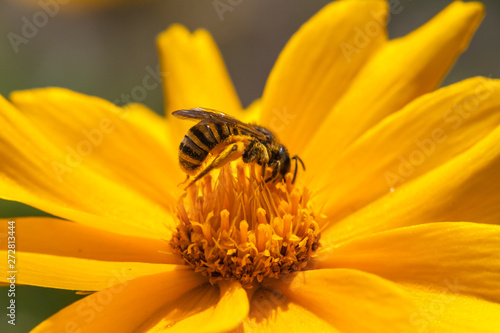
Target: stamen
{"x":243,"y":232}
{"x":261,"y":216}
{"x":242,"y":178}
{"x":295,"y":196}
{"x":283,"y":208}
{"x":261,"y":237}
{"x":206,"y":232}
{"x":287,"y":225}
{"x":245,"y":229}
{"x":224,"y":216}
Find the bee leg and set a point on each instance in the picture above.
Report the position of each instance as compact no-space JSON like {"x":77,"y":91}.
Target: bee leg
{"x":250,"y":154}
{"x":184,"y":182}
{"x":297,"y":158}
{"x":263,"y":171}
{"x":262,"y":156}
{"x":276,"y":169}
{"x":229,"y":154}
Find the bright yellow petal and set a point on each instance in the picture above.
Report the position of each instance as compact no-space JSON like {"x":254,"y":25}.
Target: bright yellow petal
{"x":463,"y":189}
{"x":194,"y":71}
{"x":194,"y":75}
{"x":124,"y":307}
{"x":271,"y":311}
{"x":343,"y":296}
{"x":402,"y":70}
{"x":50,"y":271}
{"x":39,"y":173}
{"x":204,"y":310}
{"x":45,"y":235}
{"x":152,"y":125}
{"x":127,"y":145}
{"x":425,"y":134}
{"x":253,"y":111}
{"x":447,"y":310}
{"x":232,"y":308}
{"x":462,"y":256}
{"x":317,"y":66}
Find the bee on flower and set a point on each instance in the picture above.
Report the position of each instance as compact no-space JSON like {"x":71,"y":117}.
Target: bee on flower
{"x":396,"y":216}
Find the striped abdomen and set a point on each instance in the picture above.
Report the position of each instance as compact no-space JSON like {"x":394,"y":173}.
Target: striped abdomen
{"x":200,"y":140}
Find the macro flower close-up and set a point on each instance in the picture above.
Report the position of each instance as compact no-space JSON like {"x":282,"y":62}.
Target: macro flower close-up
{"x":356,"y":195}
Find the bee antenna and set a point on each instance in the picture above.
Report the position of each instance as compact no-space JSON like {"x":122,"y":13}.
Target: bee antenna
{"x":296,"y":166}
{"x":300,"y":160}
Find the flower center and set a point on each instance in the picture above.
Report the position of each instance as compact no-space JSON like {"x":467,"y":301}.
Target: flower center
{"x":245,"y":229}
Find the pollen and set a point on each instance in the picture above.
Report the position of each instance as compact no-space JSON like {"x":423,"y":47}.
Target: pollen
{"x":242,"y":228}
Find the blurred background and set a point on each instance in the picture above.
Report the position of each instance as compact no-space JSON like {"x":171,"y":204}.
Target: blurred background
{"x":106,"y":49}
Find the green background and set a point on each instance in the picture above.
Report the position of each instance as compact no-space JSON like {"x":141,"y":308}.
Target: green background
{"x":106,"y":52}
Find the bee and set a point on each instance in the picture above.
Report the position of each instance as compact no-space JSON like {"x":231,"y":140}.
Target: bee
{"x":219,"y":138}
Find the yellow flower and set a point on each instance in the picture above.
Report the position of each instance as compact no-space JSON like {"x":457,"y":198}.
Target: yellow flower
{"x":393,"y":226}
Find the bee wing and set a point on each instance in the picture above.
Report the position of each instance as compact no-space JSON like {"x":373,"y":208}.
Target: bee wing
{"x":216,"y":117}
{"x":202,"y":113}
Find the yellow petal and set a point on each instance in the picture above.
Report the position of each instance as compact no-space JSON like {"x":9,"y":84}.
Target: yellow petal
{"x":203,"y":310}
{"x":402,"y":70}
{"x":461,"y":256}
{"x":463,"y":189}
{"x":150,"y":124}
{"x":232,"y":308}
{"x":317,"y":66}
{"x":51,"y":271}
{"x":56,"y":237}
{"x":34,"y":171}
{"x":271,"y":311}
{"x":343,"y":296}
{"x":127,"y":145}
{"x":445,"y":310}
{"x":194,"y":75}
{"x":425,"y":134}
{"x":124,"y":307}
{"x":253,"y":111}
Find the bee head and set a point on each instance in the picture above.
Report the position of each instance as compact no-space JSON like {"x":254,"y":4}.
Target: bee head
{"x":282,"y":155}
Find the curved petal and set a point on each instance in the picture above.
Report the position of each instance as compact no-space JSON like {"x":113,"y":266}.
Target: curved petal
{"x":129,"y":145}
{"x":151,"y":125}
{"x":50,"y":271}
{"x":317,"y":66}
{"x":194,"y":75}
{"x":253,"y":111}
{"x":232,"y":308}
{"x":402,"y":70}
{"x":204,"y":311}
{"x":445,"y":310}
{"x":464,"y":257}
{"x":124,"y":307}
{"x":425,"y":134}
{"x":55,"y":179}
{"x":271,"y":311}
{"x":342,"y":296}
{"x":463,"y":189}
{"x":45,"y":235}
